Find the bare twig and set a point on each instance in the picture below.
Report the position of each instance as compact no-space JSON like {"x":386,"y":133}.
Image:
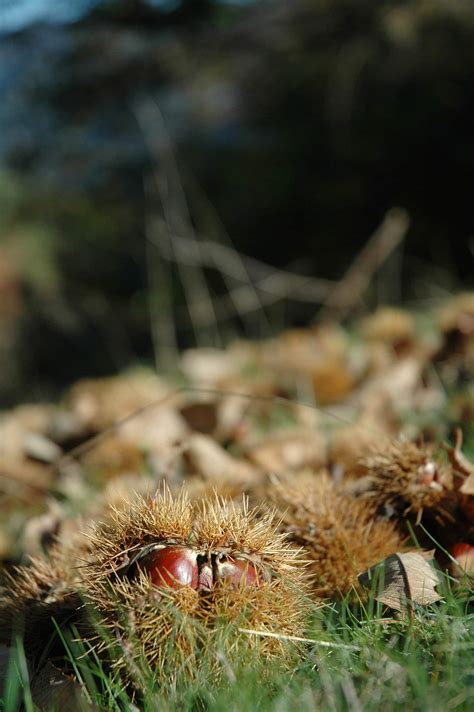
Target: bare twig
{"x":160,"y":306}
{"x":271,"y":284}
{"x":264,"y":276}
{"x":237,"y":266}
{"x":355,"y":281}
{"x":176,"y":213}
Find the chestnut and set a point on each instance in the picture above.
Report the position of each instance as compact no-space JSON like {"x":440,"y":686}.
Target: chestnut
{"x":176,"y":565}
{"x":236,"y":571}
{"x":464,"y":555}
{"x":172,"y":566}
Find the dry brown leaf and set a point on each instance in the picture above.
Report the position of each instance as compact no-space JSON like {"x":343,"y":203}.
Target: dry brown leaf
{"x":230,"y":416}
{"x":20,"y":427}
{"x":51,"y":689}
{"x":218,"y":417}
{"x":156,"y":431}
{"x":215,"y":464}
{"x":208,"y":367}
{"x":98,"y":403}
{"x":390,"y":326}
{"x":40,"y":448}
{"x":200,"y":416}
{"x":294,"y":450}
{"x":40,"y":531}
{"x":397,"y":384}
{"x":468,"y":485}
{"x":404,"y":580}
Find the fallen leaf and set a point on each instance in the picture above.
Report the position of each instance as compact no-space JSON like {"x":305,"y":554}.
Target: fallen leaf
{"x":52,"y":689}
{"x":397,"y":384}
{"x":468,"y":485}
{"x":210,"y":460}
{"x":98,"y":403}
{"x":200,"y":417}
{"x":40,"y":531}
{"x":207,"y":367}
{"x":403,"y":580}
{"x":290,"y":451}
{"x":40,"y":448}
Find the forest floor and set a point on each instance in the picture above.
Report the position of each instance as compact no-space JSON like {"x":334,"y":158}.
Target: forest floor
{"x":325,"y":476}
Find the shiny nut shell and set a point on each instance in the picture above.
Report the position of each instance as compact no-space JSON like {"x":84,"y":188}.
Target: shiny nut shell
{"x":236,"y":572}
{"x":172,"y":566}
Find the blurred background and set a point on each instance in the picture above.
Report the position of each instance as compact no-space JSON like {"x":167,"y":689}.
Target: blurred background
{"x":180,"y":173}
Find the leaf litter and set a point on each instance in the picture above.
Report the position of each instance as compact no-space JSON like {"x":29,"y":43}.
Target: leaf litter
{"x":340,"y":444}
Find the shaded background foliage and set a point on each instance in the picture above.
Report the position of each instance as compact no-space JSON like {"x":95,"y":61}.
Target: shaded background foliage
{"x":302,"y":122}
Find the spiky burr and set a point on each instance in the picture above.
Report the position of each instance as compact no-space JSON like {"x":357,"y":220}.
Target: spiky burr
{"x":409,"y":480}
{"x":341,"y":535}
{"x":167,"y":583}
{"x":167,"y":569}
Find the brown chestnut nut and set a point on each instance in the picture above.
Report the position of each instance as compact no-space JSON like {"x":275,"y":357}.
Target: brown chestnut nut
{"x":236,"y":571}
{"x":172,"y":566}
{"x":464,"y":555}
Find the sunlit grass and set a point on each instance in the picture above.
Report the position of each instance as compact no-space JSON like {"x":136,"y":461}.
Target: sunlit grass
{"x":369,"y":660}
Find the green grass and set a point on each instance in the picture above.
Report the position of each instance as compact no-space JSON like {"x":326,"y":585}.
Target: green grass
{"x":368,"y":661}
{"x":16,"y":692}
